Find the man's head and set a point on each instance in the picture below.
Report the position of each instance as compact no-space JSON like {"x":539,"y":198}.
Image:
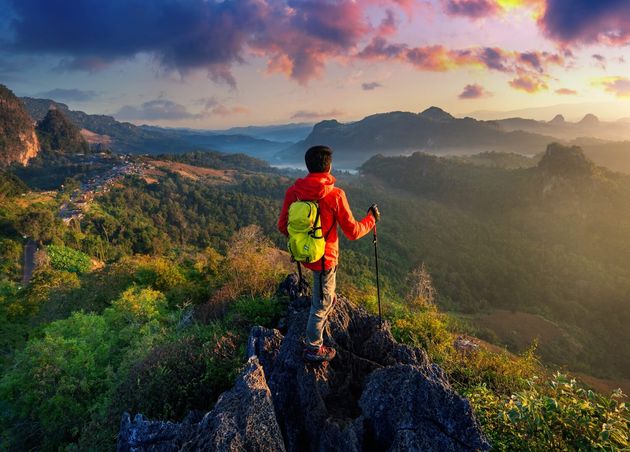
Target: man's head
{"x":318,"y":159}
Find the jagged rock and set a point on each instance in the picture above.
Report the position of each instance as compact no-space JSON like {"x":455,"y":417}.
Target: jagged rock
{"x":242,"y":419}
{"x":349,"y":404}
{"x":265,"y":344}
{"x":376,"y":394}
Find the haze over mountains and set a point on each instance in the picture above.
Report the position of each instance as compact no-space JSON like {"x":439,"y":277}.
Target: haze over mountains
{"x":393,"y":133}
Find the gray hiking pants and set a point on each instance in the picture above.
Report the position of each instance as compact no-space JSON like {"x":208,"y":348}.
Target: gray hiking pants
{"x":320,"y":309}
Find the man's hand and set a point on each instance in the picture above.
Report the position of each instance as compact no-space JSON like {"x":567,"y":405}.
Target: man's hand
{"x":374,"y":211}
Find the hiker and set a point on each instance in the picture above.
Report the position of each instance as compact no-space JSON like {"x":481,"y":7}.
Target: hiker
{"x":319,"y":186}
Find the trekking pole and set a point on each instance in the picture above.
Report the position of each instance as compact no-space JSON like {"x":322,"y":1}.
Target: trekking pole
{"x":378,"y":286}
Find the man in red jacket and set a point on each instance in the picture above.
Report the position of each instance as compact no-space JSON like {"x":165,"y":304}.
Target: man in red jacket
{"x":319,"y":185}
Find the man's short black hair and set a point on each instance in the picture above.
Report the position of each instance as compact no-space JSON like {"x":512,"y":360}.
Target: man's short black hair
{"x":318,"y":159}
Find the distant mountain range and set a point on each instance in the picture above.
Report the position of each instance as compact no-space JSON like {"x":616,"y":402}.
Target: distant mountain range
{"x":588,"y":126}
{"x":393,"y":133}
{"x":432,"y":130}
{"x":106,"y":132}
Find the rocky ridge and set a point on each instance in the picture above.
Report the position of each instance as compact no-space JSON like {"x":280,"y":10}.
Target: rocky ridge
{"x":376,"y":394}
{"x":18,"y":141}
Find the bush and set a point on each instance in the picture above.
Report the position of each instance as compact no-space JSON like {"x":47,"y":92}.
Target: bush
{"x":69,"y":373}
{"x":559,"y":415}
{"x":188,"y":374}
{"x":68,"y":259}
{"x":255,"y":311}
{"x":253,"y":268}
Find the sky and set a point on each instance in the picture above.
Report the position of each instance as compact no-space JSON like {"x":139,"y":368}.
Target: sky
{"x":211,"y":64}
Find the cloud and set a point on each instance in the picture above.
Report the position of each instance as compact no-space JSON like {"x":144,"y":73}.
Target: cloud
{"x":528,"y":84}
{"x":68,"y":95}
{"x":439,"y":58}
{"x":619,"y":86}
{"x":223,"y":110}
{"x":587,"y":21}
{"x":600,"y":60}
{"x":310,"y":115}
{"x":296,"y":37}
{"x":388,"y":25}
{"x":473,"y":9}
{"x":566,"y":92}
{"x":370,"y":86}
{"x":155,"y":110}
{"x":474,"y":91}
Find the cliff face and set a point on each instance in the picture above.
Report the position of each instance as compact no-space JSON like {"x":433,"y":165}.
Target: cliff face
{"x":375,"y":395}
{"x":18,"y":141}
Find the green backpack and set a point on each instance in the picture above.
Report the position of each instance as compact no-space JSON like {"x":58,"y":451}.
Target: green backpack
{"x":306,"y":238}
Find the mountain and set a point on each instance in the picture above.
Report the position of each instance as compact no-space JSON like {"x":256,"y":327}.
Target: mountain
{"x":121,"y":137}
{"x":57,"y":133}
{"x":432,"y":130}
{"x":105,"y":132}
{"x":231,"y":143}
{"x":589,"y":126}
{"x":18,"y":141}
{"x":283,"y":132}
{"x":549,"y":239}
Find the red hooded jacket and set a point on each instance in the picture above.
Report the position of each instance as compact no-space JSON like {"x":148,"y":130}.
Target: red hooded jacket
{"x":334,"y":209}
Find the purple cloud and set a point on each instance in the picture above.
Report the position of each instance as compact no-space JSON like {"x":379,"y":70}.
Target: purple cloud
{"x":474,"y":9}
{"x":68,"y":95}
{"x":473,"y":91}
{"x":587,"y":21}
{"x":154,"y":110}
{"x":371,"y":86}
{"x":296,"y":36}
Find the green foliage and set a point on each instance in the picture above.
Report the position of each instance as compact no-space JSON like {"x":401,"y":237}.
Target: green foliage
{"x":68,"y":259}
{"x":255,"y":311}
{"x":71,"y":370}
{"x":186,"y":373}
{"x":559,"y":415}
{"x":57,"y":133}
{"x":10,"y":258}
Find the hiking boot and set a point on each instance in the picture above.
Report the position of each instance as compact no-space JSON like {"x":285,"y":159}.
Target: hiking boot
{"x":320,"y":355}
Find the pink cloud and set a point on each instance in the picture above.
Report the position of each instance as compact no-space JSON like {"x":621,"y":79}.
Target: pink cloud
{"x":473,"y":9}
{"x":566,"y":92}
{"x":474,"y":91}
{"x":528,"y":84}
{"x":312,"y":115}
{"x":619,"y":86}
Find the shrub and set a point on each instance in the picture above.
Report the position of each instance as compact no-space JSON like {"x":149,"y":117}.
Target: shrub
{"x":68,"y":259}
{"x":557,"y":415}
{"x":253,"y":268}
{"x":159,"y":273}
{"x":188,"y":374}
{"x":68,"y":374}
{"x":255,"y":311}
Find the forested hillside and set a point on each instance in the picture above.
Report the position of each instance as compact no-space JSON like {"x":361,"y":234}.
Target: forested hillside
{"x":549,"y":240}
{"x":143,"y":303}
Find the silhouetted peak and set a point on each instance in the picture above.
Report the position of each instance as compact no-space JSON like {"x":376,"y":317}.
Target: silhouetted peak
{"x":589,"y":119}
{"x":560,"y":160}
{"x":436,"y":114}
{"x":558,"y":119}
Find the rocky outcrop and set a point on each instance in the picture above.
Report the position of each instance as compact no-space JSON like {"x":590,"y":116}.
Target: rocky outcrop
{"x":376,"y":394}
{"x":242,"y":419}
{"x":18,"y":141}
